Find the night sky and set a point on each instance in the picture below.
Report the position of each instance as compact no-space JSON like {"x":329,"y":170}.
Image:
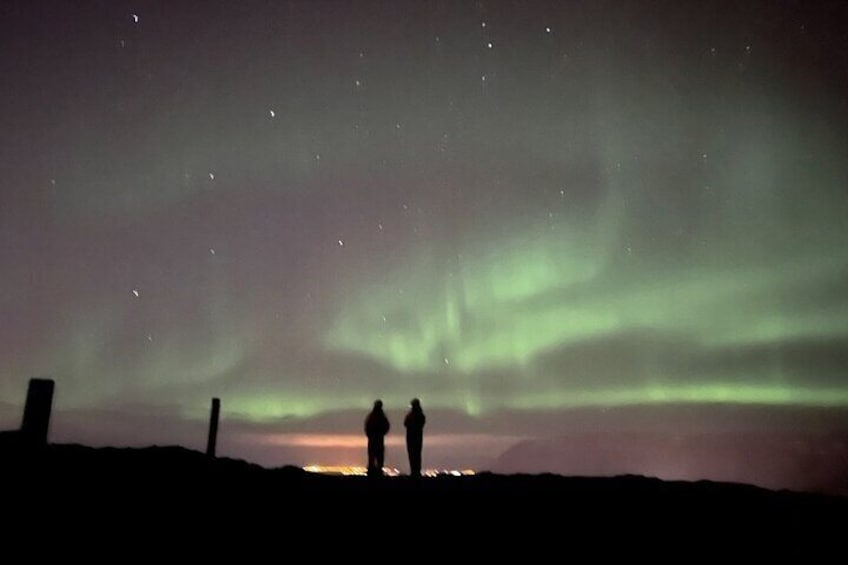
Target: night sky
{"x":541,"y":218}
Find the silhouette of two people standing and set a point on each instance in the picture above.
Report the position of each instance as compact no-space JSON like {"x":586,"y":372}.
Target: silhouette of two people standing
{"x":376,"y":428}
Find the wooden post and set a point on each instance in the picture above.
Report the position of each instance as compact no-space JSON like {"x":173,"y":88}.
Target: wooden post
{"x":213,"y":427}
{"x":39,"y":403}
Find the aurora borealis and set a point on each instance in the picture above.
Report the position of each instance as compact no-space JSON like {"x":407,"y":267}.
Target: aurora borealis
{"x":519,"y":212}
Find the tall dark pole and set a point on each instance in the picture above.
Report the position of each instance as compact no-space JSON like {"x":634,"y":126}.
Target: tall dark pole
{"x":213,"y":427}
{"x":39,"y":403}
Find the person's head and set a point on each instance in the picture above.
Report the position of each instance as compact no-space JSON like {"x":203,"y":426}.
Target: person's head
{"x":378,"y":404}
{"x":415,"y":403}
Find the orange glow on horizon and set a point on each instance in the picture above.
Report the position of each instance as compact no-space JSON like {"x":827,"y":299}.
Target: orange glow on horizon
{"x":352,"y":441}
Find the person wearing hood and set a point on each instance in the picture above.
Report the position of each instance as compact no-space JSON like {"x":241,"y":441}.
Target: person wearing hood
{"x":414,"y":423}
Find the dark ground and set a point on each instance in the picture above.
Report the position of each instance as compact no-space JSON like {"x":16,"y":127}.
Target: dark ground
{"x":180,"y":491}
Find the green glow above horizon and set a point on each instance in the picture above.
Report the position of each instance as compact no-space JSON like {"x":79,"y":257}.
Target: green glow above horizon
{"x":713,"y":393}
{"x":479,"y":323}
{"x":506,"y":304}
{"x":261,"y":409}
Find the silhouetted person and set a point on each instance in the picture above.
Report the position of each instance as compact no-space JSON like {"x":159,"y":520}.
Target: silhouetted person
{"x":376,"y":428}
{"x":414,"y":423}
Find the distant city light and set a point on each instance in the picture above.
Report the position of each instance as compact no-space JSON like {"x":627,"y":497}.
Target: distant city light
{"x":357,"y":471}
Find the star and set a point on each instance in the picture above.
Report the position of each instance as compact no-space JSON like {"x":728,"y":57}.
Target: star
{"x":135,"y":292}
{"x":341,"y":243}
{"x":211,"y":176}
{"x":489,"y":45}
{"x":547,"y":30}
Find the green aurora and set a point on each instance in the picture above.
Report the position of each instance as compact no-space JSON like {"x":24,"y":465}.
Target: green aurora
{"x":300,"y":209}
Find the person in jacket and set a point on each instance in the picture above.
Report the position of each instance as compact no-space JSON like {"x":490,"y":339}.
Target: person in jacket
{"x":376,"y":428}
{"x":414,"y":423}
